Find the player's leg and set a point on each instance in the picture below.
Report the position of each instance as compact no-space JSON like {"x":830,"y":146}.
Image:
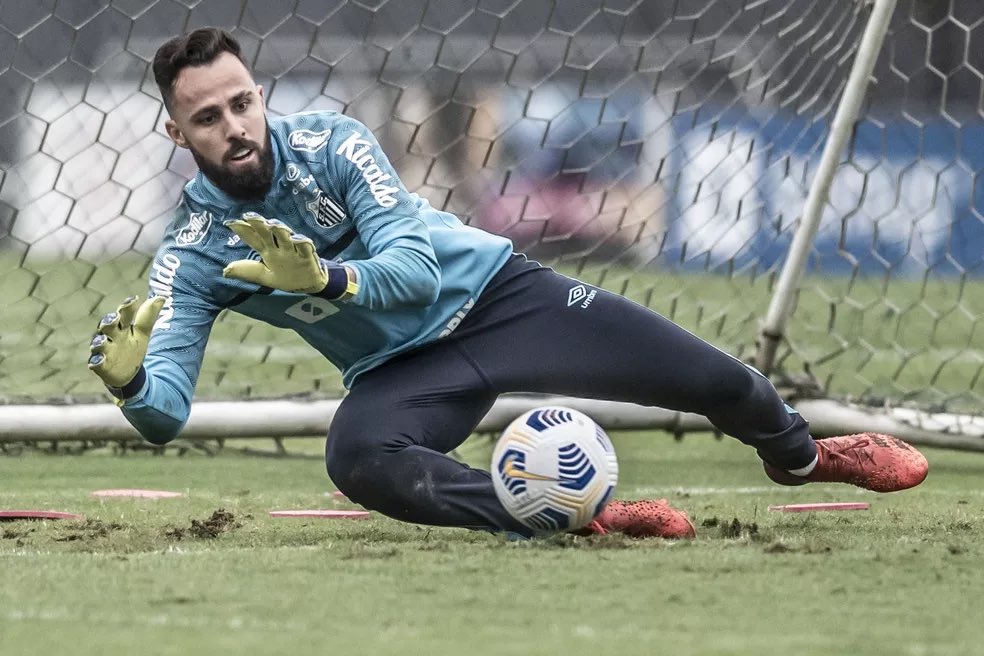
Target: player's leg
{"x":387,"y":443}
{"x":592,"y":343}
{"x":552,"y":337}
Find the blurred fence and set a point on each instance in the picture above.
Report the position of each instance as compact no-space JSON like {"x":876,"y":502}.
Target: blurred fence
{"x":662,"y":149}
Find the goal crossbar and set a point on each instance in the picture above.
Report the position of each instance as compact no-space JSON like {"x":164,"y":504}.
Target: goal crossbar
{"x":293,"y":418}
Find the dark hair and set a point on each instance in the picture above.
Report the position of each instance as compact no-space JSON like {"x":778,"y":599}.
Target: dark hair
{"x":196,"y":48}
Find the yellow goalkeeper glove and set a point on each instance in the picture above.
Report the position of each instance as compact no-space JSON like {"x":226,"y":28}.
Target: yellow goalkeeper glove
{"x":118,"y":349}
{"x":288,"y":261}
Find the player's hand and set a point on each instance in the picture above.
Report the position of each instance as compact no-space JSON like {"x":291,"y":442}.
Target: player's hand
{"x":120,"y":344}
{"x":288,"y":261}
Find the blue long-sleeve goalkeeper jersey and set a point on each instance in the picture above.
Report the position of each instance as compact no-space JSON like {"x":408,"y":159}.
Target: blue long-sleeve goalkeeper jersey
{"x":419,"y":269}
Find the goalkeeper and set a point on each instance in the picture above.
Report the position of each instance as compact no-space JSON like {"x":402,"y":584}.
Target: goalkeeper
{"x":302,"y":222}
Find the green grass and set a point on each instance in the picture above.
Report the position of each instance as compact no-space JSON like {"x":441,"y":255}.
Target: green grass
{"x":140,"y":577}
{"x":904,"y":339}
{"x":901,"y":578}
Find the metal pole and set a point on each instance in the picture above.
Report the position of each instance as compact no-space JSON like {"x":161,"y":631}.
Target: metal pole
{"x":774,"y":326}
{"x":270,"y":419}
{"x":236,"y":419}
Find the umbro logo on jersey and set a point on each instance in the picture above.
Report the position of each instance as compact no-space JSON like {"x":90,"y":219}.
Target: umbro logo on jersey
{"x":580,"y":294}
{"x":311,"y":309}
{"x":307,"y":140}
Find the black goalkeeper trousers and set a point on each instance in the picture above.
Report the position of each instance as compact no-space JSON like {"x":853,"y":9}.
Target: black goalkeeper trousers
{"x":534,"y":330}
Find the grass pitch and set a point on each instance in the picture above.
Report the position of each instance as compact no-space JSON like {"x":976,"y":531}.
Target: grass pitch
{"x":212,"y":573}
{"x":900,"y":338}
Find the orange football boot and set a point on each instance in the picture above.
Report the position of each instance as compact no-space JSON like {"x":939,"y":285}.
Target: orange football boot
{"x":642,"y":519}
{"x":870,"y":460}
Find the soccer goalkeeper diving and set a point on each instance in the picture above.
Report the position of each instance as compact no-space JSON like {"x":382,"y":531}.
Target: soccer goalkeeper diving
{"x":303,"y":223}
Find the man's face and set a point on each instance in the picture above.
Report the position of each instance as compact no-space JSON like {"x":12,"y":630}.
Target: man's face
{"x":217,"y":112}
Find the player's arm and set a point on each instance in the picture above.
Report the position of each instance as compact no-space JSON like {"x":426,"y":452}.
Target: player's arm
{"x":402,"y":268}
{"x":149,"y":353}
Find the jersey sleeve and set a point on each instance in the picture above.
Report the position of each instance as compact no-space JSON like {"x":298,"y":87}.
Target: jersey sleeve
{"x":160,"y":407}
{"x":402,"y":268}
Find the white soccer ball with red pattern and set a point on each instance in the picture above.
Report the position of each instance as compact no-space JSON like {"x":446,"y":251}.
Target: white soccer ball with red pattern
{"x":554,"y":469}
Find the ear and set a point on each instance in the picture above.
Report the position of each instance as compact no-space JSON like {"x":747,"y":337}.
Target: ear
{"x":259,"y":90}
{"x":173,"y":131}
{"x":177,"y":136}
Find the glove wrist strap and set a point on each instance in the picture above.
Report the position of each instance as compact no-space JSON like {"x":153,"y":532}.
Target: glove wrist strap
{"x":342,"y":283}
{"x":130,"y":388}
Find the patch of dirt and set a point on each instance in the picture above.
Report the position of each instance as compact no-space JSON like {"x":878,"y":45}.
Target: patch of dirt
{"x":220,"y":522}
{"x":90,"y":529}
{"x":736,"y":529}
{"x":10,"y":534}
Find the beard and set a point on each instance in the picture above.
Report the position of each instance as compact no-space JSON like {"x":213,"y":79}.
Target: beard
{"x":248,"y":184}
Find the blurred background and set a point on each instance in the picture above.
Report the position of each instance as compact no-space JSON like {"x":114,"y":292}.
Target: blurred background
{"x":660,"y":149}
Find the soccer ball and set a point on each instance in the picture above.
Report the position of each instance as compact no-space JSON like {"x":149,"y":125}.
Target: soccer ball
{"x":554,"y":469}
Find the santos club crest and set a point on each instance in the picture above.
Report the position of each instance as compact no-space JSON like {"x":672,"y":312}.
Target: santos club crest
{"x":325,"y":211}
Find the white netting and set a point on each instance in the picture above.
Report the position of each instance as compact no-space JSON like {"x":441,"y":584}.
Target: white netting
{"x":660,"y":149}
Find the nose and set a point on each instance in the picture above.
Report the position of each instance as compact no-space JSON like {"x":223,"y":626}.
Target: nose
{"x":235,"y":127}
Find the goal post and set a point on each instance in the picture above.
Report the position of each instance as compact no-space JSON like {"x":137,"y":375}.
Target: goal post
{"x":796,"y":181}
{"x":791,"y":275}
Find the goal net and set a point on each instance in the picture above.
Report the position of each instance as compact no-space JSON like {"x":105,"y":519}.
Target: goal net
{"x":663,"y":150}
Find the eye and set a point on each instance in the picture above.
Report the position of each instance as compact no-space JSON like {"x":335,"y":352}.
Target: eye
{"x":242,"y":105}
